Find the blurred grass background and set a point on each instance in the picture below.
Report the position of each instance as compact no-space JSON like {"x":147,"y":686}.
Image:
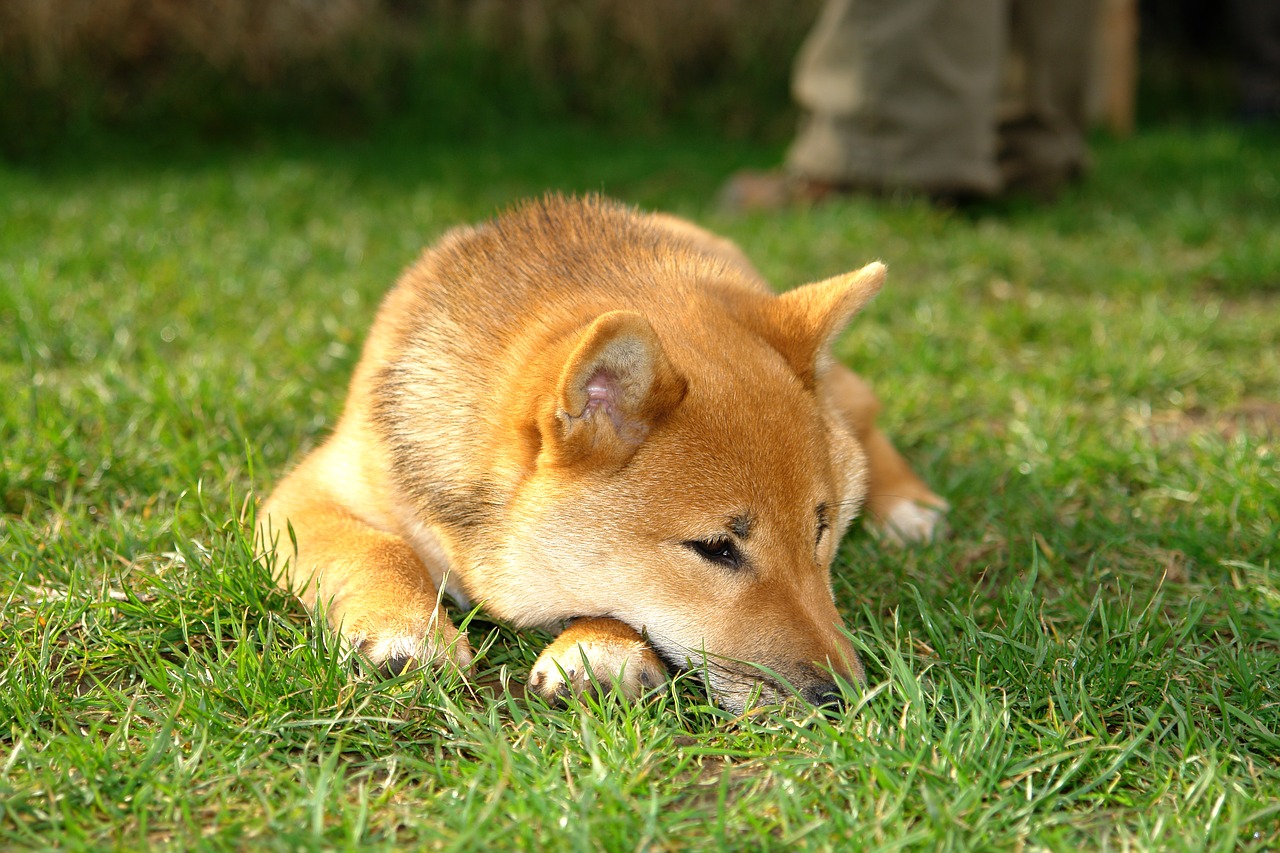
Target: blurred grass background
{"x":71,"y":67}
{"x":232,"y":70}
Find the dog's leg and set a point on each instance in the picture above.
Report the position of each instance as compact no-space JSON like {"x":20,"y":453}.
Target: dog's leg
{"x":370,"y":584}
{"x":606,"y":650}
{"x":901,"y":507}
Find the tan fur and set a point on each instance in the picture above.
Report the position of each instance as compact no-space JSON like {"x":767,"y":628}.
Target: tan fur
{"x":551,"y":411}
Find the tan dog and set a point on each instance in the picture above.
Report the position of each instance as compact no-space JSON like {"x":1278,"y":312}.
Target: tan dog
{"x":582,"y":414}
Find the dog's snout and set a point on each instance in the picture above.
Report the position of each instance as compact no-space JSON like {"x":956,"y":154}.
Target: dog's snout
{"x":823,"y":693}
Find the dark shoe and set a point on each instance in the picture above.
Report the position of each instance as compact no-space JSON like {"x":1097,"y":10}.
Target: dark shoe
{"x":746,"y":192}
{"x":1038,"y":161}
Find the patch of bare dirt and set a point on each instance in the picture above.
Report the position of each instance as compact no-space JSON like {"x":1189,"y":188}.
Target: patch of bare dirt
{"x":1255,"y":418}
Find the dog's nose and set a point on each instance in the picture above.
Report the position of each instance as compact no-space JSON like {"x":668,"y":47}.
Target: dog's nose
{"x":823,"y":693}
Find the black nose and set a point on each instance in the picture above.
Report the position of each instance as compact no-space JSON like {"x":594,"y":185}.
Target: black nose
{"x":823,"y":693}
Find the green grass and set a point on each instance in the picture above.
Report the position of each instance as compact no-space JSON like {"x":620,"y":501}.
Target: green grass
{"x":1091,"y":660}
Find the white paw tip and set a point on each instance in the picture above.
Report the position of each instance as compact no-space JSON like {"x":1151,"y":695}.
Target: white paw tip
{"x":909,"y":522}
{"x":407,"y":651}
{"x":630,"y":670}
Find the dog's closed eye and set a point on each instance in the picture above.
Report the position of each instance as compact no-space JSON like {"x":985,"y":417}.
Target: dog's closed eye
{"x":722,"y":552}
{"x":824,"y":522}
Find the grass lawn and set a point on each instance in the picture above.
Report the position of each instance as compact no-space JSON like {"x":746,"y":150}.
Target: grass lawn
{"x":1092,"y":659}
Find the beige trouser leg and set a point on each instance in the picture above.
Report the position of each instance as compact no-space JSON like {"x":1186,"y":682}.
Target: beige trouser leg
{"x":944,"y":95}
{"x":901,"y":93}
{"x":1043,"y":108}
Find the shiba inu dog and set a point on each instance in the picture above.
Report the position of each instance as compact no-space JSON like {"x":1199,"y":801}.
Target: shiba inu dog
{"x":590,"y":418}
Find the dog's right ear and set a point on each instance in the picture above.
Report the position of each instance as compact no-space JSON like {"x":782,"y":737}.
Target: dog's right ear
{"x":807,"y":320}
{"x":616,"y":385}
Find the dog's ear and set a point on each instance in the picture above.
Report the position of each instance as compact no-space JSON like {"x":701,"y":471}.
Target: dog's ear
{"x":807,"y":320}
{"x":616,"y":385}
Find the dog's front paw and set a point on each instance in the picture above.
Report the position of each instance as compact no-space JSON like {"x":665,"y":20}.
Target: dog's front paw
{"x":398,"y":639}
{"x":908,"y":522}
{"x":596,"y":651}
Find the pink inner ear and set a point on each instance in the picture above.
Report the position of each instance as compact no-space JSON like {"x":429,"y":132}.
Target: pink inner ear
{"x":602,"y":393}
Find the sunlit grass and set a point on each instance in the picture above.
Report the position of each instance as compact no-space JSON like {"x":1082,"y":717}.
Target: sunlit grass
{"x":1091,"y":660}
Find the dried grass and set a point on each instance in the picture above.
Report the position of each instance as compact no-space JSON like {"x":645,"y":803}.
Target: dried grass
{"x":591,"y":53}
{"x":252,"y":37}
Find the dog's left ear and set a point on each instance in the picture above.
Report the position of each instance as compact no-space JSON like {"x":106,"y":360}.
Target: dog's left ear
{"x":616,"y":385}
{"x":807,"y":320}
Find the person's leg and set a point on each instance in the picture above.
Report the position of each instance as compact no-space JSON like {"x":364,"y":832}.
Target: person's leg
{"x":901,"y":94}
{"x":1044,"y":102}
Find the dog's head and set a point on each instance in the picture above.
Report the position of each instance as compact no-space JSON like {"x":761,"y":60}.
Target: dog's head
{"x":691,"y":480}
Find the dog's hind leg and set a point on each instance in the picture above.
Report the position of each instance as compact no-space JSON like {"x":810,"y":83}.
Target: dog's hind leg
{"x":901,"y":507}
{"x":370,"y":584}
{"x":602,"y":652}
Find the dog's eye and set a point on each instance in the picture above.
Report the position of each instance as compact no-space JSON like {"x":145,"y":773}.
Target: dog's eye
{"x":722,"y":552}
